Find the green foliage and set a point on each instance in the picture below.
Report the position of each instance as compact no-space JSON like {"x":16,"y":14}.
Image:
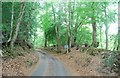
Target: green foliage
{"x":84,"y":34}
{"x":29,"y":63}
{"x":41,"y":17}
{"x":17,"y":51}
{"x":110,"y":60}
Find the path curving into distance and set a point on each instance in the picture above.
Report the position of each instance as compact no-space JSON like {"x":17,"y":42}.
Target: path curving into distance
{"x":49,"y":66}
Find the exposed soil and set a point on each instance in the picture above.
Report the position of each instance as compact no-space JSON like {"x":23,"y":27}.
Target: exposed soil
{"x":82,"y":64}
{"x":20,"y":66}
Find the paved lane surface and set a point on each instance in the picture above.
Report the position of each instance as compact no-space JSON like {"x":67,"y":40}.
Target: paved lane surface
{"x":50,"y":66}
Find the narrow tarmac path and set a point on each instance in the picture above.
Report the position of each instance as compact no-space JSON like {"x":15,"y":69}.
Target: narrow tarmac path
{"x":50,"y":66}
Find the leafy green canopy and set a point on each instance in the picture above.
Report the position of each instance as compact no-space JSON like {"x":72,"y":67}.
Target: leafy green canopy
{"x":39,"y":19}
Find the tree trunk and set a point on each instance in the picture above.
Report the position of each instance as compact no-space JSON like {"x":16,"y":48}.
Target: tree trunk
{"x":94,"y":25}
{"x":57,"y":30}
{"x":45,"y":40}
{"x":106,"y":29}
{"x":68,"y":27}
{"x":34,"y":41}
{"x":106,"y":35}
{"x":70,"y":24}
{"x":17,"y":26}
{"x":101,"y":36}
{"x":58,"y":34}
{"x":12,"y":18}
{"x":75,"y":30}
{"x":94,"y":34}
{"x":73,"y":35}
{"x":58,"y":39}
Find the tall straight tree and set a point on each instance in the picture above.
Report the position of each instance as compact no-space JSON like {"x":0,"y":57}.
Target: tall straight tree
{"x":106,"y":26}
{"x":101,"y":35}
{"x":57,"y":28}
{"x":17,"y":25}
{"x":108,"y":18}
{"x":12,"y":16}
{"x":72,"y":11}
{"x":68,"y":26}
{"x":94,"y":25}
